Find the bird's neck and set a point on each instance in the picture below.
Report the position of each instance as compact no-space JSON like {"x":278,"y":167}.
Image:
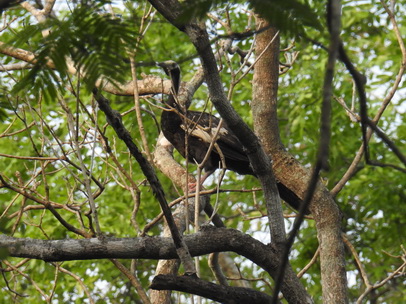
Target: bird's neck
{"x":171,"y":103}
{"x":175,"y":79}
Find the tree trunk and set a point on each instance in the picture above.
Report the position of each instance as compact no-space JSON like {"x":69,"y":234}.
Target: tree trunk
{"x":290,"y":173}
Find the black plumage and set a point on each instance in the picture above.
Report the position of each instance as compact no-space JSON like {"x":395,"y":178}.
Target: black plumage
{"x":201,"y":128}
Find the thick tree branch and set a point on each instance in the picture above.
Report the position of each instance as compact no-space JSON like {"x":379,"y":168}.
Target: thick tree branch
{"x":220,"y":293}
{"x":20,"y":54}
{"x":334,"y":288}
{"x":147,"y":85}
{"x":207,"y":240}
{"x":325,"y":211}
{"x":265,"y":88}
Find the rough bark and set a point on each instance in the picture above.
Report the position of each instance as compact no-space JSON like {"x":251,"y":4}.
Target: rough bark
{"x":294,"y":176}
{"x":208,"y":240}
{"x":265,"y":87}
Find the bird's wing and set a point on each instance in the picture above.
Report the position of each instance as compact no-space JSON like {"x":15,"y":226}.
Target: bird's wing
{"x":205,"y":126}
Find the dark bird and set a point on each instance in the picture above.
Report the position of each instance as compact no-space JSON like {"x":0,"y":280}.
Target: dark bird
{"x":201,"y":128}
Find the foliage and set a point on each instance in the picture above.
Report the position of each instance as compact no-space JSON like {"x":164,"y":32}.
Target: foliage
{"x":96,"y":42}
{"x":48,"y":112}
{"x":290,"y":16}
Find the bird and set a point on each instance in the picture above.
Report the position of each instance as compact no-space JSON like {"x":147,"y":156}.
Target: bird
{"x":201,"y":128}
{"x":196,"y":131}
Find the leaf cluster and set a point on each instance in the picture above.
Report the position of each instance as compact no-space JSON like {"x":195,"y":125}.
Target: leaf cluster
{"x":96,"y":43}
{"x":290,"y":16}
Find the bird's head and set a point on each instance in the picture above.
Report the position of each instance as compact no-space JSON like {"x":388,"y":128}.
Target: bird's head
{"x":169,"y":66}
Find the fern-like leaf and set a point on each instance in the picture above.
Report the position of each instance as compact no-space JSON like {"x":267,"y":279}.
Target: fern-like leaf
{"x":96,"y":43}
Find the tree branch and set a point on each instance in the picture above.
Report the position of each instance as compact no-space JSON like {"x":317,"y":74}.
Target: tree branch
{"x":114,"y":119}
{"x":147,"y":85}
{"x":220,"y":293}
{"x":208,"y":240}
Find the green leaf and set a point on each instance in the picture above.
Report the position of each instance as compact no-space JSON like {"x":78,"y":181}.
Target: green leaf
{"x":97,"y":44}
{"x":290,"y":16}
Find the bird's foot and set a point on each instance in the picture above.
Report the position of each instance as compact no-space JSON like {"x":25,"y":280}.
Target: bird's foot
{"x":192,"y":187}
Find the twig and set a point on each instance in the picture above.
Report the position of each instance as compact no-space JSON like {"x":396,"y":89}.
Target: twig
{"x":31,"y":157}
{"x":86,"y":172}
{"x":369,"y":287}
{"x":215,"y":268}
{"x":135,"y":282}
{"x":352,"y":169}
{"x":48,"y":205}
{"x":43,"y":294}
{"x":138,"y":109}
{"x":312,"y":261}
{"x":5,"y":134}
{"x":27,"y":208}
{"x":77,"y":278}
{"x":361,"y":267}
{"x":8,"y":285}
{"x":359,"y":81}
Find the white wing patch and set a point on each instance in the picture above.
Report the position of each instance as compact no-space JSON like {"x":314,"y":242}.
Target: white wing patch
{"x":223,"y":131}
{"x":204,"y":135}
